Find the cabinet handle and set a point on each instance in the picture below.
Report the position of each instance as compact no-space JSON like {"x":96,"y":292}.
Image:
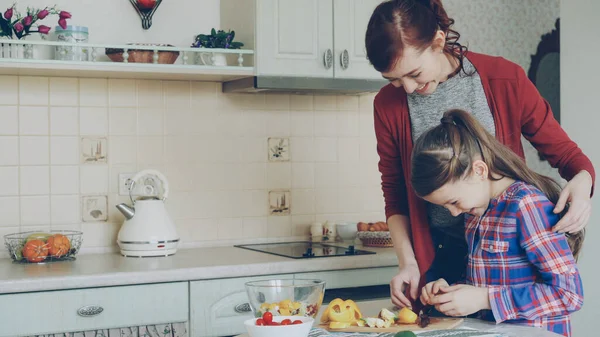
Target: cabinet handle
{"x":242,"y":308}
{"x":328,"y":59}
{"x":344,"y":59}
{"x":90,"y":311}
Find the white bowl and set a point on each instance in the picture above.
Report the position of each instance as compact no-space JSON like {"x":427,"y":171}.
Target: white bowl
{"x":293,"y":330}
{"x":346,"y":230}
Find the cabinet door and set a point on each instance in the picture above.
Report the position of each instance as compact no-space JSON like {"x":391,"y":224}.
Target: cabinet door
{"x":219,"y":307}
{"x":293,"y":36}
{"x":351,"y":18}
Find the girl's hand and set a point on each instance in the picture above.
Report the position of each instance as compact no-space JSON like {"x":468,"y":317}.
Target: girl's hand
{"x":461,"y":300}
{"x":407,"y":278}
{"x":431,"y":289}
{"x":577,"y":193}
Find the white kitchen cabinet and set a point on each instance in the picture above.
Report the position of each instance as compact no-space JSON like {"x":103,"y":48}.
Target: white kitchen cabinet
{"x":303,"y":38}
{"x":350,"y":25}
{"x":220,"y":307}
{"x":48,"y":312}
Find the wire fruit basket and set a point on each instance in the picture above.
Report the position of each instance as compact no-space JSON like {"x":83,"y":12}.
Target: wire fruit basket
{"x":375,"y":238}
{"x":42,"y":247}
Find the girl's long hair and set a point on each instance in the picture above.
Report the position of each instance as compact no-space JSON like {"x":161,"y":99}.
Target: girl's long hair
{"x":445,"y":154}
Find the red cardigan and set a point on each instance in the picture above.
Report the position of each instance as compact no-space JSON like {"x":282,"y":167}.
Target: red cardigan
{"x":517,"y":108}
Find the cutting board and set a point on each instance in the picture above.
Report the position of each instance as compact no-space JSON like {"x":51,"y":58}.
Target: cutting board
{"x":436,"y":323}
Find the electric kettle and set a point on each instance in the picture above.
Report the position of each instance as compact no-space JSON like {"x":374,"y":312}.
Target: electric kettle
{"x":148,"y":229}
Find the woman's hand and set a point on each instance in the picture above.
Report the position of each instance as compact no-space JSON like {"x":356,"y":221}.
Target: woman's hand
{"x":431,"y":289}
{"x":577,"y":193}
{"x":407,"y":278}
{"x":461,"y":300}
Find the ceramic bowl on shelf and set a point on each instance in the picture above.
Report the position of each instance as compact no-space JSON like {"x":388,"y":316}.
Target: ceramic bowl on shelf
{"x":291,"y":330}
{"x":143,"y":55}
{"x":286,"y":297}
{"x":41,"y":247}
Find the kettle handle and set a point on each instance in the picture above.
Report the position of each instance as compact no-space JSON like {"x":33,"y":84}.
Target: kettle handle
{"x":154,"y":173}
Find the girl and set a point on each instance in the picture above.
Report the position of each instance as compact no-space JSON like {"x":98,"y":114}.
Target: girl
{"x":413,"y":45}
{"x":518,"y":270}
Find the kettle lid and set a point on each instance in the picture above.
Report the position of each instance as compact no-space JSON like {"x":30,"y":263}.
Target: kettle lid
{"x":149,"y":185}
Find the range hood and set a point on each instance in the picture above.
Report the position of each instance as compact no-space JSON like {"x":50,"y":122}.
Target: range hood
{"x":303,"y":85}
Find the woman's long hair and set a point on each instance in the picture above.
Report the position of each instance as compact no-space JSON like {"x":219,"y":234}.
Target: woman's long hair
{"x":445,"y":154}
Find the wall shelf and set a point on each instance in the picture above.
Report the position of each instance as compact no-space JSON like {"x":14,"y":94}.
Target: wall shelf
{"x":36,"y":58}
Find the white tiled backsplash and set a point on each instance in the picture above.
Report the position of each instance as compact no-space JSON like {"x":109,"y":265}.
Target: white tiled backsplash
{"x":63,"y":140}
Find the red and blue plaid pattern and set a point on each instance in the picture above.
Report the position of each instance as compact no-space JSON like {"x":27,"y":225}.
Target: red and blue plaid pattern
{"x":530,"y":271}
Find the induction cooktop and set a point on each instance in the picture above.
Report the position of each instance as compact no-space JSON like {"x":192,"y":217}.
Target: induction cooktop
{"x":305,"y":249}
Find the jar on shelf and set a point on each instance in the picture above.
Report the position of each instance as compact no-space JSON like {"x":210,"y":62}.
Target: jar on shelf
{"x":72,"y":34}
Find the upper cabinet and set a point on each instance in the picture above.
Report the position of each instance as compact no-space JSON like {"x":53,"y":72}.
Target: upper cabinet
{"x":309,"y":38}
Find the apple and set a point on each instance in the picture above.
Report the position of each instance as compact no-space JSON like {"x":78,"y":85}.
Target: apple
{"x":146,"y":4}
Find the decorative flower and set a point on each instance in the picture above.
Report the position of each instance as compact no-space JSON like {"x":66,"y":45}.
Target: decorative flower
{"x":15,"y":25}
{"x":217,"y":39}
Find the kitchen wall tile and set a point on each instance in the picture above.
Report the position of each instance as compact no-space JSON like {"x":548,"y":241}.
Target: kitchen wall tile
{"x":35,"y":180}
{"x":372,"y":199}
{"x":303,"y":201}
{"x":34,"y":150}
{"x":9,"y":208}
{"x":122,"y":93}
{"x":347,"y":123}
{"x":64,"y":150}
{"x":278,"y":149}
{"x":64,"y":179}
{"x":325,"y":149}
{"x":277,"y":102}
{"x":123,"y":150}
{"x":254,"y":203}
{"x":33,"y":120}
{"x":302,"y":149}
{"x":204,"y":94}
{"x":99,"y":234}
{"x":177,"y":94}
{"x":254,"y":228}
{"x":255,"y":123}
{"x":279,"y":175}
{"x":301,"y":102}
{"x":35,"y":210}
{"x":348,"y":149}
{"x":93,"y":121}
{"x":254,"y":176}
{"x":366,"y":124}
{"x":241,"y":101}
{"x":350,"y":199}
{"x":365,"y":102}
{"x":150,"y":93}
{"x":115,"y":170}
{"x":278,"y":123}
{"x":94,"y":208}
{"x":33,"y":90}
{"x":325,"y":102}
{"x":303,"y":175}
{"x":93,"y":150}
{"x":64,"y":121}
{"x":93,"y":179}
{"x":151,"y":122}
{"x":349,"y":175}
{"x":325,"y":123}
{"x":9,"y":180}
{"x":93,"y":92}
{"x":226,"y":149}
{"x":253,"y":149}
{"x":197,"y":230}
{"x":326,"y":175}
{"x":180,"y":150}
{"x":181,"y":177}
{"x":150,"y":150}
{"x":347,"y":103}
{"x":9,"y":119}
{"x":302,"y":123}
{"x":9,"y":148}
{"x":64,"y":210}
{"x":9,"y":90}
{"x":301,"y":225}
{"x":279,"y":226}
{"x":368,"y":150}
{"x":229,"y":177}
{"x":223,"y":123}
{"x":327,"y":200}
{"x":64,"y":91}
{"x":123,"y":121}
{"x":230,"y":228}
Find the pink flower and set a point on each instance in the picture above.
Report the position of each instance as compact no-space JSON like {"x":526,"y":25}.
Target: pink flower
{"x":64,"y":15}
{"x":28,"y":20}
{"x":43,"y":14}
{"x":62,"y":23}
{"x":43,"y":29}
{"x":8,"y":14}
{"x":18,"y":27}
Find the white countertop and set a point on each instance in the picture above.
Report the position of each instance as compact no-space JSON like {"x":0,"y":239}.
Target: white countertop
{"x":99,"y":270}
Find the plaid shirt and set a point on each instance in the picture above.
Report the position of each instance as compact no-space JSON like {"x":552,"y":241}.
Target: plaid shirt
{"x":530,"y":271}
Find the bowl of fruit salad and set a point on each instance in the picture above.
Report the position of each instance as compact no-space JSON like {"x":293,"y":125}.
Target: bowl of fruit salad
{"x":293,"y":297}
{"x":279,"y":326}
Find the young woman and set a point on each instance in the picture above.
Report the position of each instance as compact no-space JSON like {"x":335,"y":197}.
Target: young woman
{"x":412,"y":44}
{"x":519,"y":270}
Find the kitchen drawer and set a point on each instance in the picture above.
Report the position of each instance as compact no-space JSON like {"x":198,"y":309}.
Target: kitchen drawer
{"x":218,"y":307}
{"x":62,"y":311}
{"x":353,"y":277}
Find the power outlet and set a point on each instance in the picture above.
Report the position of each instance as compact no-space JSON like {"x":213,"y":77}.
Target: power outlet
{"x":124,"y":183}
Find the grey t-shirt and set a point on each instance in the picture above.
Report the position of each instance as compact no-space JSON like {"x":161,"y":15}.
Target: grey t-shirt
{"x":458,"y":92}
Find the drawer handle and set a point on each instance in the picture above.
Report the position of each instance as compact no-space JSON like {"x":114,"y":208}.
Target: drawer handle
{"x":90,"y":311}
{"x":242,"y":308}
